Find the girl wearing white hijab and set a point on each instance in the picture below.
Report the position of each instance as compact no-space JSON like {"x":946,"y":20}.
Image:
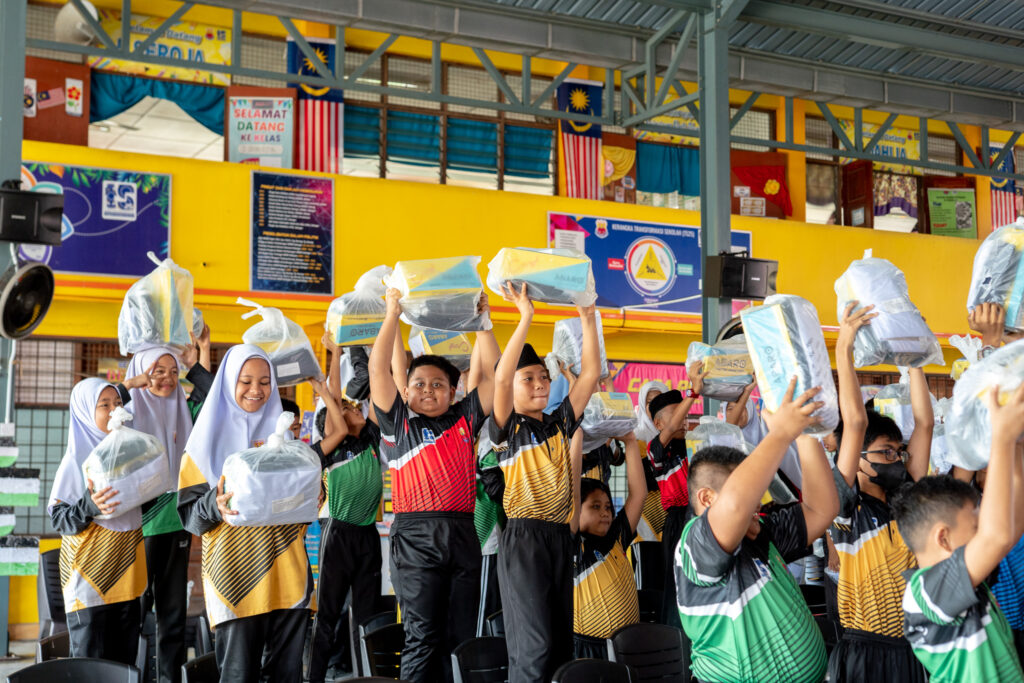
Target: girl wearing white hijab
{"x":103,"y":563}
{"x":257,"y":580}
{"x":645,"y":429}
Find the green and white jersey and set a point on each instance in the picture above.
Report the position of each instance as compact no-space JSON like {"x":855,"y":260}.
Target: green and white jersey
{"x":486,"y":513}
{"x":957,"y":631}
{"x":355,"y":480}
{"x":743,"y":611}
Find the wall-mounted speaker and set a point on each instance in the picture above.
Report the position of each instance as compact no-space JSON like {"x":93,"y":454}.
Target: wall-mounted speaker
{"x":30,"y":217}
{"x":737,"y":276}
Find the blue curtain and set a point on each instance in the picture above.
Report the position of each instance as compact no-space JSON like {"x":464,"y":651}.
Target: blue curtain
{"x":664,"y":168}
{"x":414,"y":138}
{"x":528,"y":151}
{"x":472,"y":145}
{"x":113,"y":93}
{"x":362,"y":131}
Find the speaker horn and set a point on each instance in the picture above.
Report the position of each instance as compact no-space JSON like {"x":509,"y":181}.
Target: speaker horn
{"x":26,"y":292}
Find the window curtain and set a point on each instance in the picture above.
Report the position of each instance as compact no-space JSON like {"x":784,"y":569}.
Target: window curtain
{"x":893,"y":191}
{"x":362,"y":131}
{"x":414,"y":138}
{"x":472,"y":145}
{"x":528,"y":151}
{"x":664,"y":169}
{"x":114,"y":93}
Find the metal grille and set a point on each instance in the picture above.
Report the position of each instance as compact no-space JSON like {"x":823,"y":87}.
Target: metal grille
{"x":817,"y":132}
{"x":39,"y":25}
{"x":754,"y":124}
{"x":41,"y":436}
{"x":372,"y":76}
{"x":413,"y":75}
{"x":44,"y":372}
{"x":942,"y":150}
{"x":260,"y":52}
{"x":465,"y":81}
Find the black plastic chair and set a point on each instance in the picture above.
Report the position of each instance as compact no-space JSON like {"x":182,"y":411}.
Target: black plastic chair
{"x":202,"y":669}
{"x":371,"y":623}
{"x":494,"y":624}
{"x":382,"y":651}
{"x":654,"y":651}
{"x":386,"y":603}
{"x":56,"y":646}
{"x":481,"y":660}
{"x":204,"y":636}
{"x":814,"y":596}
{"x":650,"y":605}
{"x":77,"y":670}
{"x":829,"y":631}
{"x":648,"y":565}
{"x":594,"y":671}
{"x":50,"y":595}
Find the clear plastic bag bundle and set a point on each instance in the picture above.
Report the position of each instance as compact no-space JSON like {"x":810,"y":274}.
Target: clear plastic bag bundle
{"x":939,"y":459}
{"x":784,"y":340}
{"x":131,"y":462}
{"x":355,"y":318}
{"x":727,"y":367}
{"x":714,"y":432}
{"x":893,"y":401}
{"x":567,"y":344}
{"x":970,"y":347}
{"x":274,"y":484}
{"x":157,"y":309}
{"x":285,"y":342}
{"x":553,"y":276}
{"x":442,"y":293}
{"x":998,"y":275}
{"x":968,"y":426}
{"x":456,"y":347}
{"x":607,"y":415}
{"x":898,"y":335}
{"x":198,"y":323}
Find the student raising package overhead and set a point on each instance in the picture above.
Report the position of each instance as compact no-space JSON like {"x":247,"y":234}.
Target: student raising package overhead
{"x":553,"y":276}
{"x":998,"y":275}
{"x":442,"y":293}
{"x":157,"y":309}
{"x":354,"y":319}
{"x":287,"y":346}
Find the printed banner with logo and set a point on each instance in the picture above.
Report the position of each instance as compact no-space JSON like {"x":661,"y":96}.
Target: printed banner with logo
{"x":261,"y":131}
{"x":898,"y":143}
{"x":682,"y":118}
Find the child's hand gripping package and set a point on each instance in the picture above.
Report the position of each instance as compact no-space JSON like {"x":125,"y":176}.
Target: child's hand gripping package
{"x":553,"y":276}
{"x":455,"y":347}
{"x":157,"y":309}
{"x":567,"y":344}
{"x":607,"y":415}
{"x":442,"y":293}
{"x":274,"y":484}
{"x":714,"y":432}
{"x":285,"y":342}
{"x":968,"y":426}
{"x":131,"y":462}
{"x":970,"y":347}
{"x":727,"y":367}
{"x":354,"y":319}
{"x":998,"y":275}
{"x":898,"y":335}
{"x":784,"y":340}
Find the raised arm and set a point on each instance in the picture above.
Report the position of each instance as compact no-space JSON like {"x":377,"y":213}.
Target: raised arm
{"x":851,"y":403}
{"x":576,"y":466}
{"x":736,"y":412}
{"x":920,"y":445}
{"x":399,"y":363}
{"x":988,"y":320}
{"x":334,"y":371}
{"x":637,"y":492}
{"x":682,"y":410}
{"x":337,"y":427}
{"x":590,"y":364}
{"x":505,"y":374}
{"x":486,"y":354}
{"x":821,"y":501}
{"x":473,"y":376}
{"x":383,"y":391}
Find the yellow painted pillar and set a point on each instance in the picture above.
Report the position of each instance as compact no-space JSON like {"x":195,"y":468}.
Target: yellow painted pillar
{"x":796,"y":164}
{"x":982,"y":184}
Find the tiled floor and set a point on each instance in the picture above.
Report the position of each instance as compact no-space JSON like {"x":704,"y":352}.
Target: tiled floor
{"x":25,"y":650}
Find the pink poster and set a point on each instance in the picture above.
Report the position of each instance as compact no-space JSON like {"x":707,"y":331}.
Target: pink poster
{"x":629,"y":377}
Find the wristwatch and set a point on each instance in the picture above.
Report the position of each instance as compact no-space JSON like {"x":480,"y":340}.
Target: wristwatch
{"x":690,"y":393}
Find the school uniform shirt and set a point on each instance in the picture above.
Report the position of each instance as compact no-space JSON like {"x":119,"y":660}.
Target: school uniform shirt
{"x":432,"y":461}
{"x":956,"y":629}
{"x":598,"y":463}
{"x":1008,"y":586}
{"x":604,"y":589}
{"x":743,"y":610}
{"x":671,"y":470}
{"x":487,"y":513}
{"x":534,"y":457}
{"x":872,"y":559}
{"x":353,"y":477}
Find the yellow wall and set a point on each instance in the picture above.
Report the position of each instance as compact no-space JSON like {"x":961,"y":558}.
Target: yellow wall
{"x":22,"y":607}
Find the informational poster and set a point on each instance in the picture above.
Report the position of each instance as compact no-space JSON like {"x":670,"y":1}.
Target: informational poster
{"x":952,"y":212}
{"x":292,"y":222}
{"x":261,"y":131}
{"x":629,"y":377}
{"x":111,"y":218}
{"x":653,"y":266}
{"x":898,"y":143}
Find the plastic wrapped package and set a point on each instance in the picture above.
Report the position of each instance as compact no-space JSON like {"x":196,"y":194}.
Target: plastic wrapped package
{"x":443,"y":293}
{"x":893,"y":401}
{"x":456,"y":347}
{"x":157,"y":309}
{"x":133,"y":463}
{"x":553,"y":276}
{"x":898,"y":335}
{"x":939,"y":459}
{"x":355,"y":318}
{"x":567,"y":344}
{"x":198,"y":323}
{"x":998,"y":275}
{"x":285,"y":342}
{"x":727,"y":367}
{"x":970,"y":347}
{"x":714,"y":432}
{"x":968,"y":426}
{"x":784,"y":340}
{"x":274,"y":484}
{"x":607,"y":415}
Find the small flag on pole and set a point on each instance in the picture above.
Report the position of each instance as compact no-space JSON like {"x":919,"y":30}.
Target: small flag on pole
{"x":321,"y":110}
{"x":1004,"y":190}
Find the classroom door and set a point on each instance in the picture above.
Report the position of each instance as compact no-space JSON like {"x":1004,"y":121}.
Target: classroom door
{"x":858,"y":194}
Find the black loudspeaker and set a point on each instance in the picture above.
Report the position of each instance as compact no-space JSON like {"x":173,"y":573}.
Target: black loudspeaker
{"x":30,"y":217}
{"x":26,"y":291}
{"x":737,"y":276}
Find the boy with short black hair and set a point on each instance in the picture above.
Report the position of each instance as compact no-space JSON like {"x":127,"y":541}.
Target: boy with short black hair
{"x":952,"y":621}
{"x":738,"y":602}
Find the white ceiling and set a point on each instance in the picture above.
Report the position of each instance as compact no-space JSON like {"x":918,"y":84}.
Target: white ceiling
{"x":155,"y":126}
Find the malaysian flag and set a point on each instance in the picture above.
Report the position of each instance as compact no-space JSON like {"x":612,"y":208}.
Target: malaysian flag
{"x":1004,"y":190}
{"x":321,"y":110}
{"x":581,"y":142}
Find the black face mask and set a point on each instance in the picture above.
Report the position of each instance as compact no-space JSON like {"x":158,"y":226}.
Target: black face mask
{"x":890,"y":475}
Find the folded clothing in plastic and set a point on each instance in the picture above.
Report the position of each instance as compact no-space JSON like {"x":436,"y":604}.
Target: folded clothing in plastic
{"x":443,"y":294}
{"x":456,"y":347}
{"x":727,"y":367}
{"x":285,"y":342}
{"x":784,"y":340}
{"x":553,"y":276}
{"x":198,"y":323}
{"x":968,"y":426}
{"x":274,"y":484}
{"x":893,"y":401}
{"x":898,"y":335}
{"x":567,"y":344}
{"x":939,"y":459}
{"x":355,"y":318}
{"x":131,"y":462}
{"x":157,"y":309}
{"x":714,"y":432}
{"x":607,"y":415}
{"x":998,"y":275}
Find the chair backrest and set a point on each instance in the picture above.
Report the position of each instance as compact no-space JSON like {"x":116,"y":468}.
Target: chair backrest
{"x":654,"y":651}
{"x":76,"y":670}
{"x":386,"y":603}
{"x":814,"y":596}
{"x":53,"y":647}
{"x":594,"y":671}
{"x":648,"y":565}
{"x":202,"y":669}
{"x":495,"y":624}
{"x":481,"y":660}
{"x":650,"y":605}
{"x":51,"y":594}
{"x":376,"y":621}
{"x":204,"y":636}
{"x":382,"y":650}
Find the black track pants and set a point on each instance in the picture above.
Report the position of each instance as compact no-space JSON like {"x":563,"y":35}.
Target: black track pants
{"x":267,"y":646}
{"x":167,"y":566}
{"x":105,"y":632}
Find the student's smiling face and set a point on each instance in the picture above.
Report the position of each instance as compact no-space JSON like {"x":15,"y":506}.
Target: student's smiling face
{"x":252,"y":390}
{"x":429,"y":392}
{"x":531,"y":389}
{"x":108,"y":400}
{"x":163,"y":381}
